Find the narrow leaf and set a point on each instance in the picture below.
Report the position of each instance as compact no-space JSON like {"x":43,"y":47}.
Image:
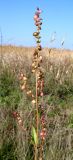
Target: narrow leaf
{"x":34,"y":136}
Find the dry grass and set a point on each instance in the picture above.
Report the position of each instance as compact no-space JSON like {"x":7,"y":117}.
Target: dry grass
{"x":17,"y":56}
{"x":12,"y":50}
{"x":59,"y":65}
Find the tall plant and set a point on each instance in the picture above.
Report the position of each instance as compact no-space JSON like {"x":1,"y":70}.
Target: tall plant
{"x":38,"y":129}
{"x":37,"y":69}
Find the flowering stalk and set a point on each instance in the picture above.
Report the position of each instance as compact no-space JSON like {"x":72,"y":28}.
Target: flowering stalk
{"x":38,"y":132}
{"x":36,"y":68}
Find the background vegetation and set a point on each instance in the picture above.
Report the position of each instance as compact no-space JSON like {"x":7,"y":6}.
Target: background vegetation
{"x":15,"y":140}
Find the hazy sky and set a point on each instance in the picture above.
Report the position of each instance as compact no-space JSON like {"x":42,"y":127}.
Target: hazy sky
{"x":17,"y":24}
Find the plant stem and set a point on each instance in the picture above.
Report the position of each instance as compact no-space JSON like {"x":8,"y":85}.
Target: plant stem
{"x":37,"y":119}
{"x":35,"y":158}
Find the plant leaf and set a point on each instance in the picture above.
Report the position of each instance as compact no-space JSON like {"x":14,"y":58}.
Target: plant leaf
{"x":34,"y":136}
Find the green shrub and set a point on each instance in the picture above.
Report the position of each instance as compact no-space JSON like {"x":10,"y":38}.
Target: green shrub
{"x":10,"y":96}
{"x":9,"y":89}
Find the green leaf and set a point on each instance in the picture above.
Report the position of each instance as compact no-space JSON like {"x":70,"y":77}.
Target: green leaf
{"x":34,"y":136}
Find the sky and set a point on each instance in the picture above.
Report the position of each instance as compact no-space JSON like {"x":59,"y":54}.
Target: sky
{"x":17,"y":24}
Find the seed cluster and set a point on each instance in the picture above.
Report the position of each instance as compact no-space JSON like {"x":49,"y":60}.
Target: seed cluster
{"x":24,"y":87}
{"x":36,"y":67}
{"x":43,"y":131}
{"x":37,"y":58}
{"x":17,"y":116}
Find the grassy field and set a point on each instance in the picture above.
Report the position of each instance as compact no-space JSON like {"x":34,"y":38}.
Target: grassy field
{"x":15,"y":139}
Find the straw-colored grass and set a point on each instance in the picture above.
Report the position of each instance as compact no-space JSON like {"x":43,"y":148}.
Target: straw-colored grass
{"x":15,"y":143}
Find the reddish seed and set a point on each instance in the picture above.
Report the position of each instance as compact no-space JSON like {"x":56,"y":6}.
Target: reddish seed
{"x":18,"y":118}
{"x":14,"y":114}
{"x":37,"y":24}
{"x":33,"y":101}
{"x":21,"y":75}
{"x":20,"y":122}
{"x":38,"y":20}
{"x":20,"y":78}
{"x":43,"y":117}
{"x":38,"y":84}
{"x":25,"y":78}
{"x":35,"y":17}
{"x":33,"y":70}
{"x":42,"y":135}
{"x":44,"y":130}
{"x":22,"y":87}
{"x":42,"y":81}
{"x":41,"y":94}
